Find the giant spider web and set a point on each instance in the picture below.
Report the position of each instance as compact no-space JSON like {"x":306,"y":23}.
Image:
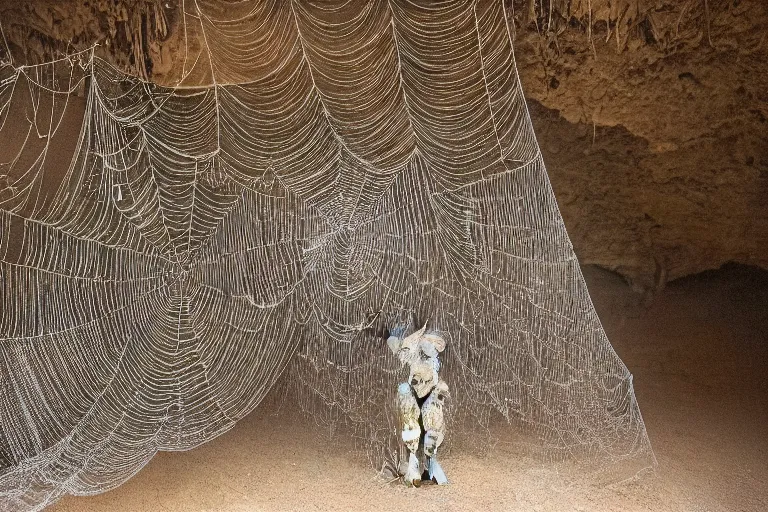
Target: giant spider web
{"x":349,"y":169}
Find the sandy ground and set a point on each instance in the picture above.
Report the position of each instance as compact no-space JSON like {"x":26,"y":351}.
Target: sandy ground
{"x":699,"y":354}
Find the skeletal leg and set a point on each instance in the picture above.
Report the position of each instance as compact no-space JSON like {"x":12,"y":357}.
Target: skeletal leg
{"x":413,"y":473}
{"x":411,"y":431}
{"x":436,"y":471}
{"x":432,"y":439}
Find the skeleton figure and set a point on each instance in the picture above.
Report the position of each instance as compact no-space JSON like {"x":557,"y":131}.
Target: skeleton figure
{"x":420,"y":402}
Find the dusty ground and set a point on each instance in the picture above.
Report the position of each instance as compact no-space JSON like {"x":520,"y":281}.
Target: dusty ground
{"x":699,"y":354}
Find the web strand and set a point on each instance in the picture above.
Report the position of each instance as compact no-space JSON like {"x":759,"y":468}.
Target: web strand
{"x":349,"y":169}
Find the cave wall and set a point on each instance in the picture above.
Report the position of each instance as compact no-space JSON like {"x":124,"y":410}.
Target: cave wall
{"x":657,"y":149}
{"x":651,"y":115}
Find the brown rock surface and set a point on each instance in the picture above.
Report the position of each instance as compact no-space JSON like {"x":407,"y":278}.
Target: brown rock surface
{"x":658,"y":155}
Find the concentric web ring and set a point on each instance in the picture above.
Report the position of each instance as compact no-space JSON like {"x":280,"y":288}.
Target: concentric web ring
{"x":168,"y":253}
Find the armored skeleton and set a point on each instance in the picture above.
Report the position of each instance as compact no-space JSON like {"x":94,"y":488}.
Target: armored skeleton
{"x":420,"y":403}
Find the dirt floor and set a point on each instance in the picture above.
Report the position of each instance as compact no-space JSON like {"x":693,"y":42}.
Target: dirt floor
{"x":699,"y":354}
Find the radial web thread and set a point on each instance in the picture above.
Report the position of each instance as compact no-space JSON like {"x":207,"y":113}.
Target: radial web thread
{"x":345,"y":168}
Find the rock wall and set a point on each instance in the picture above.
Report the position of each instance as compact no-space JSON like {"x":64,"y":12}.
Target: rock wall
{"x":657,"y":149}
{"x":652,"y":115}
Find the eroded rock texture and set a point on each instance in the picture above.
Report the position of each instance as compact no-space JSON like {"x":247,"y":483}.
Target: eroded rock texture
{"x":658,"y":153}
{"x":652,"y":115}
